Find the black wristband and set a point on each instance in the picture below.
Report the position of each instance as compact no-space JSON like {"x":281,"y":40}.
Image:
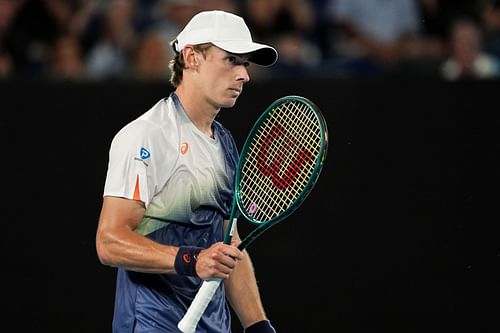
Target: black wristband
{"x":185,"y":260}
{"x":263,"y":326}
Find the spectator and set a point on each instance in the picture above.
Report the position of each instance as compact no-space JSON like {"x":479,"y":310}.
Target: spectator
{"x":31,"y":35}
{"x":36,"y":26}
{"x":152,"y":57}
{"x":491,"y":27}
{"x":170,"y":16}
{"x":373,"y":35}
{"x":66,"y":61}
{"x":437,"y":15}
{"x":467,"y":59}
{"x":8,"y":11}
{"x":111,"y":56}
{"x":287,"y":24}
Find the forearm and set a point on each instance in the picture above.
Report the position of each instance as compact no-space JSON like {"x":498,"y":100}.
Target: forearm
{"x":129,"y":250}
{"x":243,"y":294}
{"x":118,"y":244}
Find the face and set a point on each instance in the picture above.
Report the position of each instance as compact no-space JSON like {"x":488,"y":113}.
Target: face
{"x":221,"y":76}
{"x":466,"y":42}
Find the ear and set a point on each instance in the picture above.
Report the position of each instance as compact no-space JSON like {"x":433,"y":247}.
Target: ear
{"x":189,"y":55}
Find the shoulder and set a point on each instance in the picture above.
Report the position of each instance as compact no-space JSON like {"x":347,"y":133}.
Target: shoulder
{"x":158,"y":129}
{"x":159,"y":120}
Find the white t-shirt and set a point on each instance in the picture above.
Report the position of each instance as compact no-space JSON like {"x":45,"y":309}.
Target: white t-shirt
{"x":162,"y":159}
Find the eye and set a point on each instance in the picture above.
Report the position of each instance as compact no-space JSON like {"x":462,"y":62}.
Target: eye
{"x":235,"y":60}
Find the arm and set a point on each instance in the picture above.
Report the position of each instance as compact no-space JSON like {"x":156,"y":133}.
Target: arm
{"x":242,"y":291}
{"x":119,"y":245}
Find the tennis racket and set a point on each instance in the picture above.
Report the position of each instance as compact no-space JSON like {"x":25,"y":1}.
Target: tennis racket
{"x":279,"y":164}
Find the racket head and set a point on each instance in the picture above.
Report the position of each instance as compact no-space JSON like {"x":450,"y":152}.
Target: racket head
{"x":281,"y":160}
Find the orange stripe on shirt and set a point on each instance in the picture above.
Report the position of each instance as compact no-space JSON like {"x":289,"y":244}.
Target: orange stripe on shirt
{"x":137,"y":194}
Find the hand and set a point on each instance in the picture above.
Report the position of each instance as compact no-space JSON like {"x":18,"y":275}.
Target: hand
{"x":217,"y":261}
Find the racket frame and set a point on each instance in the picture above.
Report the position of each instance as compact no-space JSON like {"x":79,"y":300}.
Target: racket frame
{"x":264,"y":225}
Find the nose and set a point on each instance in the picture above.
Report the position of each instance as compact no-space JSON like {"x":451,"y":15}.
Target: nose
{"x":243,"y":74}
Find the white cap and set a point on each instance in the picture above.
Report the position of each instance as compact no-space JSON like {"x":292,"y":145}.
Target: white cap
{"x":226,"y":31}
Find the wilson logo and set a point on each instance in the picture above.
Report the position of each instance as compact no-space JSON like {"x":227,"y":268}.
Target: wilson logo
{"x":273,"y":168}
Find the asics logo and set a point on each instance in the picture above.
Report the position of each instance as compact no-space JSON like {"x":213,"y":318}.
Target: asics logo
{"x":184,"y":148}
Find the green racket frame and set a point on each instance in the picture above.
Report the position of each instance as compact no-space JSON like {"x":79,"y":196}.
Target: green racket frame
{"x":264,"y":225}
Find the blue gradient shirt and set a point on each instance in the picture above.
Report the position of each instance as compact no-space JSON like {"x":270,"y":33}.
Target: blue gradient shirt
{"x":186,"y":180}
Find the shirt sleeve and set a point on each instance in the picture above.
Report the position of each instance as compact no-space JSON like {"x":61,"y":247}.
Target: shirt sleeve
{"x":140,"y":161}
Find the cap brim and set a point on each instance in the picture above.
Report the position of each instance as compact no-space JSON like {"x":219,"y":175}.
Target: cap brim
{"x":260,"y":54}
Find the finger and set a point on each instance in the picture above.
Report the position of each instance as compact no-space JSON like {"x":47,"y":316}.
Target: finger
{"x":233,"y":252}
{"x":235,"y":242}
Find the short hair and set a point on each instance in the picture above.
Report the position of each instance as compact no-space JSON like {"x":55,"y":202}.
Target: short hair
{"x":177,"y":64}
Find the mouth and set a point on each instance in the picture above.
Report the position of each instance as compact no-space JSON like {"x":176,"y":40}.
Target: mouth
{"x":237,"y":91}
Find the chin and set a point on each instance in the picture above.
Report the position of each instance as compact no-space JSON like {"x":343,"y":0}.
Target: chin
{"x":229,"y":103}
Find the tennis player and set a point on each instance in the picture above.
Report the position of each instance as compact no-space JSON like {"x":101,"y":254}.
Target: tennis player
{"x":169,"y":187}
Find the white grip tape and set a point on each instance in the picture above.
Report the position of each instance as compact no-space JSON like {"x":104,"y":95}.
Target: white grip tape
{"x":200,"y":302}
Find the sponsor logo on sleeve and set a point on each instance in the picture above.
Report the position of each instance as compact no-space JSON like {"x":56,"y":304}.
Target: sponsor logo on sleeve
{"x":144,"y":154}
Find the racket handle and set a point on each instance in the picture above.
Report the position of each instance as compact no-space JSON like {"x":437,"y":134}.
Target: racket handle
{"x":200,"y":302}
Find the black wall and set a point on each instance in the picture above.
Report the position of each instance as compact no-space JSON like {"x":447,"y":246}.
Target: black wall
{"x":400,"y":233}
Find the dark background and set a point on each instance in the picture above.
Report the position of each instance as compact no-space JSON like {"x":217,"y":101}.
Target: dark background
{"x":400,"y":234}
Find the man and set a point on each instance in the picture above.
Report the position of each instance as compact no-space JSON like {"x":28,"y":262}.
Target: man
{"x":169,"y":188}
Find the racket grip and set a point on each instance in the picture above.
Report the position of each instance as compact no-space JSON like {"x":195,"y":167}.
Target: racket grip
{"x":200,"y":302}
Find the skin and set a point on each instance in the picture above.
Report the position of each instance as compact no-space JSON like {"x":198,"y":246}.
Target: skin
{"x":211,"y":80}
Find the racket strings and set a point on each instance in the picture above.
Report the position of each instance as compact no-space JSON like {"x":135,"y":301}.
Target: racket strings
{"x":309,"y":138}
{"x":280,"y":160}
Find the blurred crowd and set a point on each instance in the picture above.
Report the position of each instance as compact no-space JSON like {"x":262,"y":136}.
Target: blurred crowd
{"x":129,"y":39}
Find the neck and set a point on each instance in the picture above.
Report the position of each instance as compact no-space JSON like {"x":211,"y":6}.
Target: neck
{"x":201,"y":113}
